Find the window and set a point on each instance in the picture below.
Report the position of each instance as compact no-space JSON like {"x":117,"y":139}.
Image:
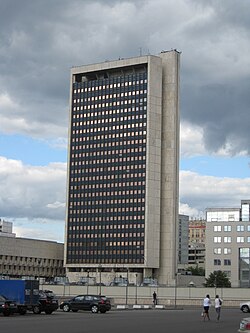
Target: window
{"x":217,"y":228}
{"x":217,"y":262}
{"x":227,"y":228}
{"x":240,"y":239}
{"x":227,"y":250}
{"x":227,"y":262}
{"x":240,"y":228}
{"x":227,"y":239}
{"x":217,"y":250}
{"x":217,"y":239}
{"x":228,"y":273}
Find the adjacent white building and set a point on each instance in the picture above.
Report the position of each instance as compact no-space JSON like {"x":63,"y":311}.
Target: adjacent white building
{"x":6,"y":228}
{"x":228,"y":243}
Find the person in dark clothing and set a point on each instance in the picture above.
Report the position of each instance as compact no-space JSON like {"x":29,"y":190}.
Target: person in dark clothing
{"x":154,"y":298}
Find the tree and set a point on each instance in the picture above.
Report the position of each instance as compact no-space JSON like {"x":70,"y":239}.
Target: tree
{"x":217,"y":279}
{"x":197,"y":270}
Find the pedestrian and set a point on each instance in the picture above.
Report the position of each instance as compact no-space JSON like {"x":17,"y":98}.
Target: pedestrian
{"x":154,"y":298}
{"x":206,"y":306}
{"x":217,"y":305}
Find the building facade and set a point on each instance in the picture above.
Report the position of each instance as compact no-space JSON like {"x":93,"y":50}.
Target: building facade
{"x":183,"y":239}
{"x":30,"y":258}
{"x":6,"y":229}
{"x":228,"y":243}
{"x":197,"y":231}
{"x":123,"y":165}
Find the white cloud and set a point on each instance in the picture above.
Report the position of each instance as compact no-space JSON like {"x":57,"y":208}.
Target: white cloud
{"x":7,"y":102}
{"x":201,"y":192}
{"x":35,"y":229}
{"x":56,"y":205}
{"x":191,"y":140}
{"x":28,"y":191}
{"x":191,"y":212}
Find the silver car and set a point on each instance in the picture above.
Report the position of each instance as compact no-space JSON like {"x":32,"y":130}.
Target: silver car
{"x":245,"y":307}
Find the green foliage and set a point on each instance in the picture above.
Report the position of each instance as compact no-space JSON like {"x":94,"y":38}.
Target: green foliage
{"x":198,"y":271}
{"x":217,"y":279}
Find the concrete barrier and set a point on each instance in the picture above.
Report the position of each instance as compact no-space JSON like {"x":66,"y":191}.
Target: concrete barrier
{"x":121,"y":307}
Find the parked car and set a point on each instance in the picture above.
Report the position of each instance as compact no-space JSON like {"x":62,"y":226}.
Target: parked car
{"x":93,"y":303}
{"x":7,"y":306}
{"x":245,"y":307}
{"x":245,"y":325}
{"x":47,"y":302}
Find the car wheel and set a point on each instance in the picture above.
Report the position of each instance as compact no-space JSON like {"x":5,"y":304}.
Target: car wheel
{"x":36,"y":309}
{"x":6,"y":313}
{"x":48,"y":311}
{"x":245,"y":308}
{"x":66,"y":308}
{"x":22,"y":311}
{"x":94,"y":309}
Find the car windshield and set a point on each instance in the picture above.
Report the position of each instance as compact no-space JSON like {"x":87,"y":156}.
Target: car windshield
{"x":104,"y":298}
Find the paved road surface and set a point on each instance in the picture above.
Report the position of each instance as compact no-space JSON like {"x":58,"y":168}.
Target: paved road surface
{"x":129,"y":321}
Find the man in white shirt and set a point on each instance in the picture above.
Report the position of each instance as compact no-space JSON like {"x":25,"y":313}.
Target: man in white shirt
{"x":217,"y":305}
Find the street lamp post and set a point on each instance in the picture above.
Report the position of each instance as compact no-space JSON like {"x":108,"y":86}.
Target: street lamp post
{"x":39,"y":262}
{"x":87,"y":281}
{"x":136,"y":288}
{"x":100,"y":271}
{"x":175,"y":289}
{"x":127,"y":288}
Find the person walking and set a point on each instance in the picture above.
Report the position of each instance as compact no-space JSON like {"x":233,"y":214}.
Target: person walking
{"x":217,"y":305}
{"x":154,"y":298}
{"x":206,"y":306}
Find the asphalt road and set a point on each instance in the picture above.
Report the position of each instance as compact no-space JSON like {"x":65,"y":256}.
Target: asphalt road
{"x":128,"y":321}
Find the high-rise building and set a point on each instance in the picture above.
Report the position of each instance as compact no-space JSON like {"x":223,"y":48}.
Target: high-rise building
{"x":123,"y":169}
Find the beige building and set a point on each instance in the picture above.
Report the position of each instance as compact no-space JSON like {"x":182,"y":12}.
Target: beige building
{"x":123,"y":169}
{"x":197,"y":231}
{"x":23,"y":257}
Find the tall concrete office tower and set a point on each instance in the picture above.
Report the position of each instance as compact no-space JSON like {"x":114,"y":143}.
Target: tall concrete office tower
{"x":123,"y":169}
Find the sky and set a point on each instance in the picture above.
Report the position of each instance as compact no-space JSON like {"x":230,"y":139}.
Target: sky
{"x":40,"y":40}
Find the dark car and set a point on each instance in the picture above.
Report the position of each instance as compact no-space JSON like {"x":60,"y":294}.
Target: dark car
{"x":93,"y":303}
{"x":47,"y":302}
{"x":7,"y":306}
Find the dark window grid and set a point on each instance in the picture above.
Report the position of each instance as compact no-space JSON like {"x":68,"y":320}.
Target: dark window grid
{"x":111,"y":91}
{"x":111,"y":150}
{"x":105,"y":153}
{"x":90,"y":136}
{"x":90,"y":98}
{"x":116,"y":120}
{"x":100,"y":126}
{"x":117,"y":219}
{"x":112,"y":80}
{"x":106,"y":161}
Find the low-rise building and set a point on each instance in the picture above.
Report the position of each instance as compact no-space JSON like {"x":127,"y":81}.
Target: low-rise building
{"x":6,"y":228}
{"x":228,"y":243}
{"x":30,"y":258}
